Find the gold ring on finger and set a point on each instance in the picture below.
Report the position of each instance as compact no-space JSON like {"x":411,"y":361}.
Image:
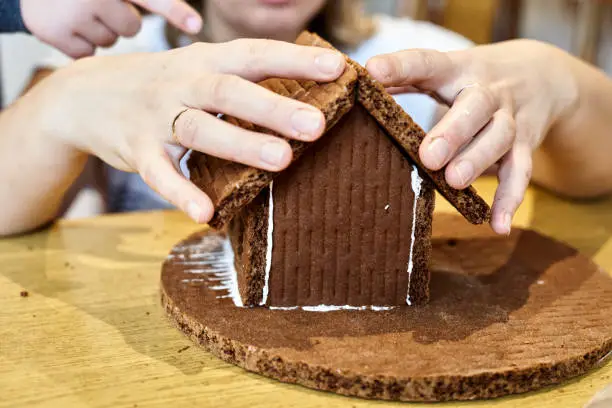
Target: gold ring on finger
{"x":174,"y":136}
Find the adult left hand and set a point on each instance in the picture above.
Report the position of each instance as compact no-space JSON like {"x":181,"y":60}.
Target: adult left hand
{"x":503,"y":100}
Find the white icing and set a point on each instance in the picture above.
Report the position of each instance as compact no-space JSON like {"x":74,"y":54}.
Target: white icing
{"x":387,"y":207}
{"x":416,"y":182}
{"x":331,"y":308}
{"x":604,"y":359}
{"x":540,"y":282}
{"x":266,"y":287}
{"x":194,"y":280}
{"x":232,"y":278}
{"x":381,"y":308}
{"x":217,"y":267}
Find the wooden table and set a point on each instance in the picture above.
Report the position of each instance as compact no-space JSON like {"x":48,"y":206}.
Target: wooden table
{"x":91,"y":331}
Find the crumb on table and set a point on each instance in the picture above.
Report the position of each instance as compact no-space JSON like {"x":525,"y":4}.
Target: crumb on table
{"x":24,"y":293}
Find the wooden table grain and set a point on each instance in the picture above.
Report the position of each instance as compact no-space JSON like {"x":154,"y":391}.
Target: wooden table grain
{"x":91,"y":332}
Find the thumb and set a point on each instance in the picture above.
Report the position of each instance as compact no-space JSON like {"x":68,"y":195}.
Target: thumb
{"x":421,"y":69}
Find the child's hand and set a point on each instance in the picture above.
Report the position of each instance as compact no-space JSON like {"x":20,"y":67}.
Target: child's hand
{"x":504,"y":97}
{"x":77,"y":27}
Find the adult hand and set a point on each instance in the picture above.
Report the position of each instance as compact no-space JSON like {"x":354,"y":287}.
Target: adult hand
{"x":504,"y":98}
{"x":121,"y":109}
{"x":77,"y":27}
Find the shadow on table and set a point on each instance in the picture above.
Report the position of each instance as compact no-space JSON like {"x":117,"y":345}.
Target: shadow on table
{"x":53,"y":264}
{"x":584,"y":225}
{"x":28,"y":259}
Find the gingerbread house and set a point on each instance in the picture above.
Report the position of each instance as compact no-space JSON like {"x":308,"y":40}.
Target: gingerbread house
{"x":348,"y":224}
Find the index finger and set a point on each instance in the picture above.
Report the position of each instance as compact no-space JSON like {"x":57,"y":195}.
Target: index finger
{"x":427,"y":70}
{"x":256,"y":60}
{"x":177,"y":12}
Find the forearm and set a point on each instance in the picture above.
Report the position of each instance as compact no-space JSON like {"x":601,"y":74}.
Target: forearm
{"x":36,"y":169}
{"x":575,"y":158}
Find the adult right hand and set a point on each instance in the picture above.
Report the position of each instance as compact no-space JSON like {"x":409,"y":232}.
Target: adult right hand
{"x":121,"y":109}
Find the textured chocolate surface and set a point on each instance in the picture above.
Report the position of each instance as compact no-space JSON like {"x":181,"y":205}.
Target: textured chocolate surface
{"x":506,"y":315}
{"x":408,"y":135}
{"x":343,"y":222}
{"x":232,"y":185}
{"x":342,"y":225}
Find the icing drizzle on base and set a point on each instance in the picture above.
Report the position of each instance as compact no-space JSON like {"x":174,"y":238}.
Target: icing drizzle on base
{"x":332,"y":308}
{"x":416,"y":181}
{"x":220,"y":265}
{"x":217,"y":267}
{"x":266,"y":287}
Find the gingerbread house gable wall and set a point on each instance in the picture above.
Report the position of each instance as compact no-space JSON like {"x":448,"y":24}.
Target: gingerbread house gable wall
{"x":339,"y":227}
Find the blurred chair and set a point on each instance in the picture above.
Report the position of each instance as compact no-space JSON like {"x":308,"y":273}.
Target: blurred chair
{"x":589,"y":18}
{"x":482,"y":21}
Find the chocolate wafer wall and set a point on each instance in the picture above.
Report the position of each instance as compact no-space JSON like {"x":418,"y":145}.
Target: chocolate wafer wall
{"x":343,"y":219}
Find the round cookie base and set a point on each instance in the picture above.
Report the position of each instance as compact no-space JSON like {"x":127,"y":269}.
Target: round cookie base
{"x":507,"y":315}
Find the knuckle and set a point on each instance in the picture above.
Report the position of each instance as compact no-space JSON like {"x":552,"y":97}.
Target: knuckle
{"x":248,"y":46}
{"x":205,"y":55}
{"x":274,"y":106}
{"x":397,"y":68}
{"x":427,"y":63}
{"x":254,"y":51}
{"x":486,"y":98}
{"x":236,"y":153}
{"x":506,"y":125}
{"x":219,"y":90}
{"x":187,"y":129}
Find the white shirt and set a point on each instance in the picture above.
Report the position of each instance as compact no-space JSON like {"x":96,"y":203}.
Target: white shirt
{"x":393,"y":34}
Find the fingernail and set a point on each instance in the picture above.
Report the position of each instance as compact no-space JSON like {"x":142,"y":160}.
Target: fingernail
{"x":330,"y":63}
{"x":273,"y":153}
{"x":464,"y":171}
{"x":194,"y":211}
{"x":437,"y":152}
{"x":307,"y":123}
{"x":193,"y":24}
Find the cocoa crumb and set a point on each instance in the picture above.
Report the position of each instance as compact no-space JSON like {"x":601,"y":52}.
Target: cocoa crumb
{"x":148,"y":313}
{"x":24,"y":293}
